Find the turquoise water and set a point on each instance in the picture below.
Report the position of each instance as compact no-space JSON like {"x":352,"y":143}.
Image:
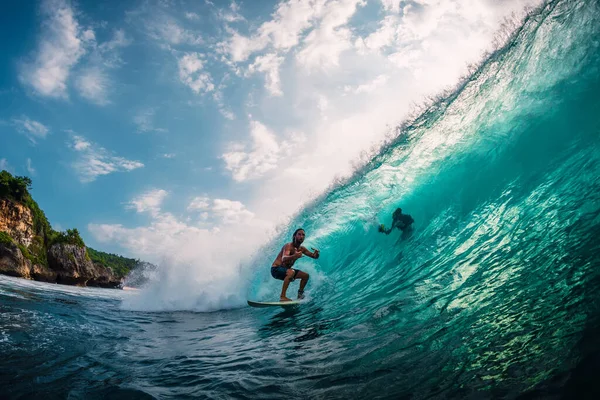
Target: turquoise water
{"x":495,"y":294}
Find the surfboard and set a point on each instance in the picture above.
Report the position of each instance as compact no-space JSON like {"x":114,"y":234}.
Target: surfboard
{"x":261,"y":304}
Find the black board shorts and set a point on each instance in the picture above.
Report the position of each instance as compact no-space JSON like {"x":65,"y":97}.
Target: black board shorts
{"x":280,"y":272}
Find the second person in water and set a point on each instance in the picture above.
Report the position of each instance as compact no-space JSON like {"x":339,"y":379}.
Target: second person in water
{"x":401,"y":221}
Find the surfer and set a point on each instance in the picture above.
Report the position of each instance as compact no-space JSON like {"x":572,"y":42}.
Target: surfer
{"x":282,"y":266}
{"x":401,"y":221}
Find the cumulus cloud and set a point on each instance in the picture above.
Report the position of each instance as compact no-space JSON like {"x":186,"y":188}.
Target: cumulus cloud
{"x":168,"y":234}
{"x":93,"y":85}
{"x":93,"y":160}
{"x":290,"y":20}
{"x":324,"y":44}
{"x":149,"y":201}
{"x":223,"y":211}
{"x":368,"y":87}
{"x":199,"y":204}
{"x":232,"y":14}
{"x":32,"y":129}
{"x":191,"y":73}
{"x":269,"y":65}
{"x":61,"y":45}
{"x":192,"y":16}
{"x":262,"y":155}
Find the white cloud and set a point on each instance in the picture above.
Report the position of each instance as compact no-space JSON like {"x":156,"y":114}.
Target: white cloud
{"x":231,"y":15}
{"x":240,"y":47}
{"x":324,"y":45}
{"x":119,"y":40}
{"x":164,"y":28}
{"x":5,"y":166}
{"x":144,"y":120}
{"x":191,"y":73}
{"x":261,"y":158}
{"x":269,"y":64}
{"x":94,"y":161}
{"x":199,"y":203}
{"x":384,"y":36}
{"x":391,"y":5}
{"x":289,"y":21}
{"x":33,"y":129}
{"x":368,"y":87}
{"x":149,"y":201}
{"x":223,"y":211}
{"x":80,"y":143}
{"x":60,"y":48}
{"x":231,"y":212}
{"x":93,"y":85}
{"x":30,"y":168}
{"x":192,"y":16}
{"x":264,"y":153}
{"x":108,"y":53}
{"x":168,"y":155}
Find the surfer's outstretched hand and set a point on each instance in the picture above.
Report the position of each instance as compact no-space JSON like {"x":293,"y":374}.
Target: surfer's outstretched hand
{"x":316,"y":252}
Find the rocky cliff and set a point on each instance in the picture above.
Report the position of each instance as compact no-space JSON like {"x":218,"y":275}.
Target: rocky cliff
{"x":68,"y":264}
{"x":29,"y":248}
{"x":74,"y":267}
{"x":16,"y":220}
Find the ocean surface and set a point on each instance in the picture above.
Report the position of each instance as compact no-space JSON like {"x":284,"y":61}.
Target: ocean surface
{"x":495,"y":293}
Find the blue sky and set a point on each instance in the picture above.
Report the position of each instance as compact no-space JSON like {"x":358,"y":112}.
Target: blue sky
{"x":169,"y":126}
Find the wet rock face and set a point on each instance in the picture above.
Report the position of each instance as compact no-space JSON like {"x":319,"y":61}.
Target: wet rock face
{"x":16,"y":220}
{"x":71,"y":264}
{"x":104,"y":278}
{"x":12,"y":261}
{"x":43,"y":274}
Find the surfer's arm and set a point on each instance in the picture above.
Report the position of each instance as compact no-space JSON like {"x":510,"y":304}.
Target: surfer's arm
{"x":287,"y":256}
{"x":312,"y":254}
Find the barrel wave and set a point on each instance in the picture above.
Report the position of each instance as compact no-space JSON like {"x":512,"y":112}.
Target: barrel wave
{"x":497,"y":284}
{"x":494,"y":294}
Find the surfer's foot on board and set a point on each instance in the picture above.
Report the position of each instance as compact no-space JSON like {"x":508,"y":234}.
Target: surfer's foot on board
{"x":300,"y":294}
{"x":283,"y":298}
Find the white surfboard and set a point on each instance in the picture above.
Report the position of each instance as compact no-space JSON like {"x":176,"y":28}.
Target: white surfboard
{"x":261,"y":304}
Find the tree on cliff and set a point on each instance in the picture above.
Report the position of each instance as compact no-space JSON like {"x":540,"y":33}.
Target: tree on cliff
{"x":16,"y":188}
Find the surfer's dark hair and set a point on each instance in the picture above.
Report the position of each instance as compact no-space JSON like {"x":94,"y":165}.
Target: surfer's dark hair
{"x":296,"y":231}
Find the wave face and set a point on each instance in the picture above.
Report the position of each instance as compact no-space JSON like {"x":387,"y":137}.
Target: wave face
{"x":495,"y":294}
{"x":499,"y":280}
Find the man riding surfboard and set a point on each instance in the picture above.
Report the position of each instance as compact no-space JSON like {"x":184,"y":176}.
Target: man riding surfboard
{"x":282,"y":266}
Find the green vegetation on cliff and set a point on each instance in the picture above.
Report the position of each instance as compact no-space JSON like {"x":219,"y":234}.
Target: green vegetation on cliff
{"x":120,"y":265}
{"x":5,"y":238}
{"x":70,"y":236}
{"x":16,"y":188}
